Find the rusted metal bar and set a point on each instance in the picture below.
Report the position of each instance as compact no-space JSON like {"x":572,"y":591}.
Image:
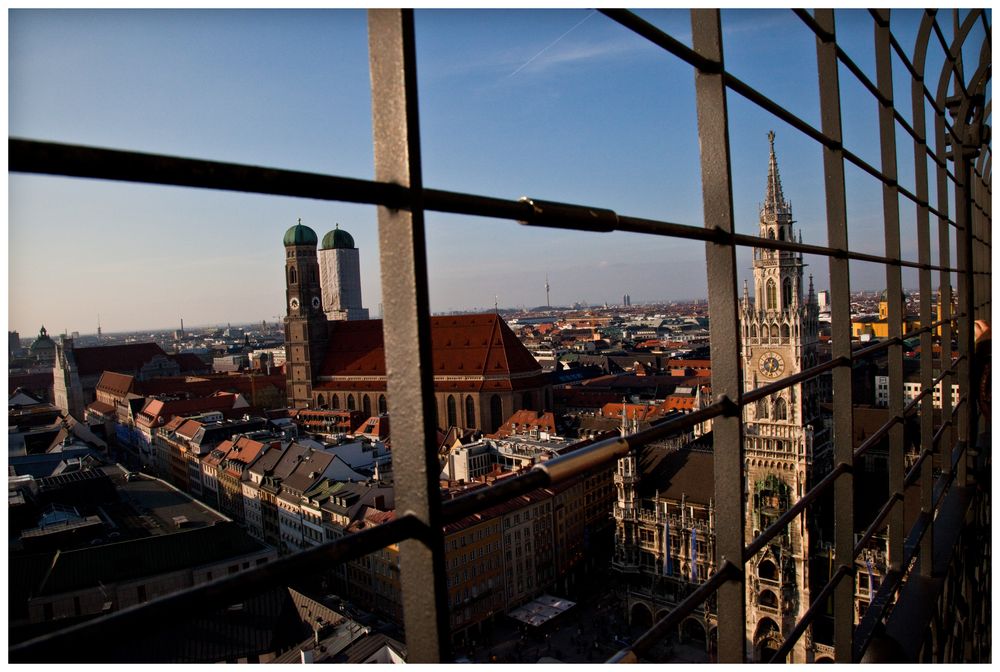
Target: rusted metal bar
{"x":717,"y":203}
{"x":840,"y":295}
{"x":407,"y":334}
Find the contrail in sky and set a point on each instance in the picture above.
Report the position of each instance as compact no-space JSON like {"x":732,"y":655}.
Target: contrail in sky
{"x":551,"y":44}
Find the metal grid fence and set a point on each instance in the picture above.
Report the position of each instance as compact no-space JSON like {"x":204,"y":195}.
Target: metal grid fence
{"x":961,"y":157}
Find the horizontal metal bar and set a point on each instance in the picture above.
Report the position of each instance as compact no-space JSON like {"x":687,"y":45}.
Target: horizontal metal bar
{"x":879,"y":521}
{"x":479,"y":500}
{"x":661,"y":39}
{"x":810,"y":373}
{"x":879,"y":434}
{"x":578,"y":461}
{"x":726,"y":572}
{"x":869,"y":350}
{"x":32,"y":156}
{"x":76,"y":643}
{"x":913,"y":475}
{"x":818,"y":603}
{"x":788,"y":516}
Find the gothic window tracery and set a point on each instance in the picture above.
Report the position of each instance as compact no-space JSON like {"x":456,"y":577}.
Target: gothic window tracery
{"x":786,"y":293}
{"x":772,"y":295}
{"x":780,"y":409}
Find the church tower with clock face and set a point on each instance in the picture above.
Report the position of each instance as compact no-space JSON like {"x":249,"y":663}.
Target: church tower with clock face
{"x":779,"y":337}
{"x":305,"y":323}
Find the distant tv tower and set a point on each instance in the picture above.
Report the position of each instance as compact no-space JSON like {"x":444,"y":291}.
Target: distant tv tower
{"x":548,"y":304}
{"x":98,"y":327}
{"x":182,"y":326}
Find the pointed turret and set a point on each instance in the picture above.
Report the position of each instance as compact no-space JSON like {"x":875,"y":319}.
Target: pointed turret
{"x":776,"y":212}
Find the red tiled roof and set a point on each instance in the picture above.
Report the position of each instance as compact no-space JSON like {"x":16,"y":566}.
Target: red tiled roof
{"x":190,"y":362}
{"x":128,"y":357}
{"x":187,"y":428}
{"x":684,"y":403}
{"x":101,"y":407}
{"x":116,"y":384}
{"x":688,"y":364}
{"x":29,"y":381}
{"x":632,"y":411}
{"x":206,"y":385}
{"x":157,"y":411}
{"x":462,"y":345}
{"x":525,"y":419}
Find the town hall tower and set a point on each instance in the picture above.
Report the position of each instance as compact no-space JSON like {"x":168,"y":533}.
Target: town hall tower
{"x":779,"y":339}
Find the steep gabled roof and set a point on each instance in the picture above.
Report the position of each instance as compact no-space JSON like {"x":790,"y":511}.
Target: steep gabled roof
{"x":128,"y":357}
{"x":116,"y":384}
{"x":462,"y":345}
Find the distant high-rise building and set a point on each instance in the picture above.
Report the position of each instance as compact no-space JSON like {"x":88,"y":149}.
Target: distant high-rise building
{"x":823,"y":298}
{"x":13,"y":342}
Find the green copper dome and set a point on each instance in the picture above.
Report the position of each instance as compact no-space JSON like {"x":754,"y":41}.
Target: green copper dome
{"x":338,"y":239}
{"x":300,"y":235}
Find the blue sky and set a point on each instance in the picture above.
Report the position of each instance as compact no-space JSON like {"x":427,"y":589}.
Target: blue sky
{"x":561,"y":105}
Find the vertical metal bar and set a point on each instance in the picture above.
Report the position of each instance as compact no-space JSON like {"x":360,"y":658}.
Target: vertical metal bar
{"x":840,"y":307}
{"x":948,"y":439}
{"x":966,"y":337}
{"x":717,"y":198}
{"x":406,"y":327}
{"x":894,"y":282}
{"x":926,"y":317}
{"x":963,"y":241}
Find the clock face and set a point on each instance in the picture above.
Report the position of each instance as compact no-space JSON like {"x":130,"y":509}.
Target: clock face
{"x":315,"y":302}
{"x":771,"y":364}
{"x":293,"y":304}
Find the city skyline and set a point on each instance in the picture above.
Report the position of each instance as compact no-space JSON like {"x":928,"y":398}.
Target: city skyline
{"x":290,"y":90}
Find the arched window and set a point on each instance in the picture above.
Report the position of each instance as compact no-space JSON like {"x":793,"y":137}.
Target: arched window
{"x":767,"y":570}
{"x":786,"y":293}
{"x":753,"y":331}
{"x":781,"y":233}
{"x":780,"y":409}
{"x":292,"y":279}
{"x":496,"y":412}
{"x":470,"y":412}
{"x":762,"y":408}
{"x":452,"y":413}
{"x":320,"y":401}
{"x":366,"y":405}
{"x":768,"y":599}
{"x":770,"y":234}
{"x":382,"y":406}
{"x":334,"y":401}
{"x":774,"y":331}
{"x":350,"y":402}
{"x":785,"y":331}
{"x":772,"y":295}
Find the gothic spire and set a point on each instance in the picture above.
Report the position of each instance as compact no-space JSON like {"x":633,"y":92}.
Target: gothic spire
{"x":774,"y":202}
